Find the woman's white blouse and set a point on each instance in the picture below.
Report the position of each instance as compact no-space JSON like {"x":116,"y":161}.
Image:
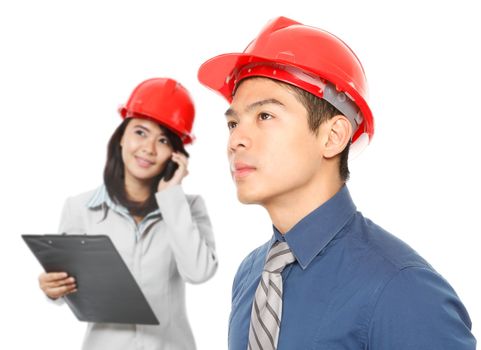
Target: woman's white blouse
{"x":171,"y":246}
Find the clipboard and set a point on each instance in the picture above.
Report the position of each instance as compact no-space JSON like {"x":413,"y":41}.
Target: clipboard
{"x":107,"y":291}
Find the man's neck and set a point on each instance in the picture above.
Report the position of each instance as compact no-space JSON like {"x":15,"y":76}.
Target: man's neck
{"x":288,"y":209}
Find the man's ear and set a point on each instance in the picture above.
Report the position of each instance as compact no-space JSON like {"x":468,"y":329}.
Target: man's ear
{"x":339,"y":131}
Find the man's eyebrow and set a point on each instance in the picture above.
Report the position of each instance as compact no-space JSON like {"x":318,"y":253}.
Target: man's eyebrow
{"x":263,"y":102}
{"x":232,"y":113}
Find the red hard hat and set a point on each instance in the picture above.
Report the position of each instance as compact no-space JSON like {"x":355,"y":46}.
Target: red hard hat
{"x":307,"y":57}
{"x":165,"y":101}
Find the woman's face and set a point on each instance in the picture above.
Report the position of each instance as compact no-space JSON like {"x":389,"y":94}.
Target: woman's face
{"x":145,"y":150}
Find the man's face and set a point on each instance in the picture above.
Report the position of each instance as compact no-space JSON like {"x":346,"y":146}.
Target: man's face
{"x":272,"y":153}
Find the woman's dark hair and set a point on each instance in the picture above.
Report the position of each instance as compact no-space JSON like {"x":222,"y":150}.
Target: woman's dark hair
{"x":114,"y":175}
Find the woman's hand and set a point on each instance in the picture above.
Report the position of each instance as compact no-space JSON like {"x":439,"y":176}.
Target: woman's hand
{"x":179,"y":174}
{"x":56,"y":284}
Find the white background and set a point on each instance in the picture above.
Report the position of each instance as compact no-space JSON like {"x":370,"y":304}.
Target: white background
{"x":66,"y":66}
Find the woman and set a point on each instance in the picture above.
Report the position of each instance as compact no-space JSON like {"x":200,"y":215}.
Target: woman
{"x":164,"y":236}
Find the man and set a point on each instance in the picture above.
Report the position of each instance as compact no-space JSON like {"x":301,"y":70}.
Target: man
{"x":328,"y":278}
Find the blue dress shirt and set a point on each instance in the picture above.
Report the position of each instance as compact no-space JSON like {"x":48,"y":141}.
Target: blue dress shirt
{"x":353,"y":286}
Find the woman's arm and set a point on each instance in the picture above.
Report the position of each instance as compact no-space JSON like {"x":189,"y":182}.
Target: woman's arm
{"x":190,"y":234}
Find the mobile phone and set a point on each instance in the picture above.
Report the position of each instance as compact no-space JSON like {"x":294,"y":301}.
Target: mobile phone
{"x":170,"y":169}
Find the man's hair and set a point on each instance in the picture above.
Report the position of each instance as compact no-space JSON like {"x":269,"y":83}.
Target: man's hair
{"x":319,"y":111}
{"x":114,"y":174}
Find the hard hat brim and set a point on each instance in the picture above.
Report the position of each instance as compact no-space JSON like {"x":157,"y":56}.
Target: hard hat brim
{"x":218,"y":74}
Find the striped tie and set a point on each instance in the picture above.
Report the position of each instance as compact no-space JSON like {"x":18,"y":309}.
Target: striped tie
{"x":267,"y":306}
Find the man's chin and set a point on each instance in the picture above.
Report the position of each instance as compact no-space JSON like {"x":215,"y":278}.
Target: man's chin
{"x":249,"y":198}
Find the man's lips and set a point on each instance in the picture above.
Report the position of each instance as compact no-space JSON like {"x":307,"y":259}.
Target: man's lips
{"x":240,"y":170}
{"x":144,"y":163}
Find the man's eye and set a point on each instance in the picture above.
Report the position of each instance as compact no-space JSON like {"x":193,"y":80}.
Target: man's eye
{"x":164,"y":140}
{"x":140,"y":132}
{"x":265,"y":116}
{"x":231,"y":125}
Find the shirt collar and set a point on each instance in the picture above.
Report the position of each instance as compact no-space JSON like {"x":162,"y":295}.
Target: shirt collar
{"x":313,"y":233}
{"x":99,"y":198}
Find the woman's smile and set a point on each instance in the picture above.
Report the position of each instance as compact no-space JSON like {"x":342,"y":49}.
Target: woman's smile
{"x":144,"y":163}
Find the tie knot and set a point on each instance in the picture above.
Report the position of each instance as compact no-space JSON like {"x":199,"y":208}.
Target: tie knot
{"x":278,"y":258}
